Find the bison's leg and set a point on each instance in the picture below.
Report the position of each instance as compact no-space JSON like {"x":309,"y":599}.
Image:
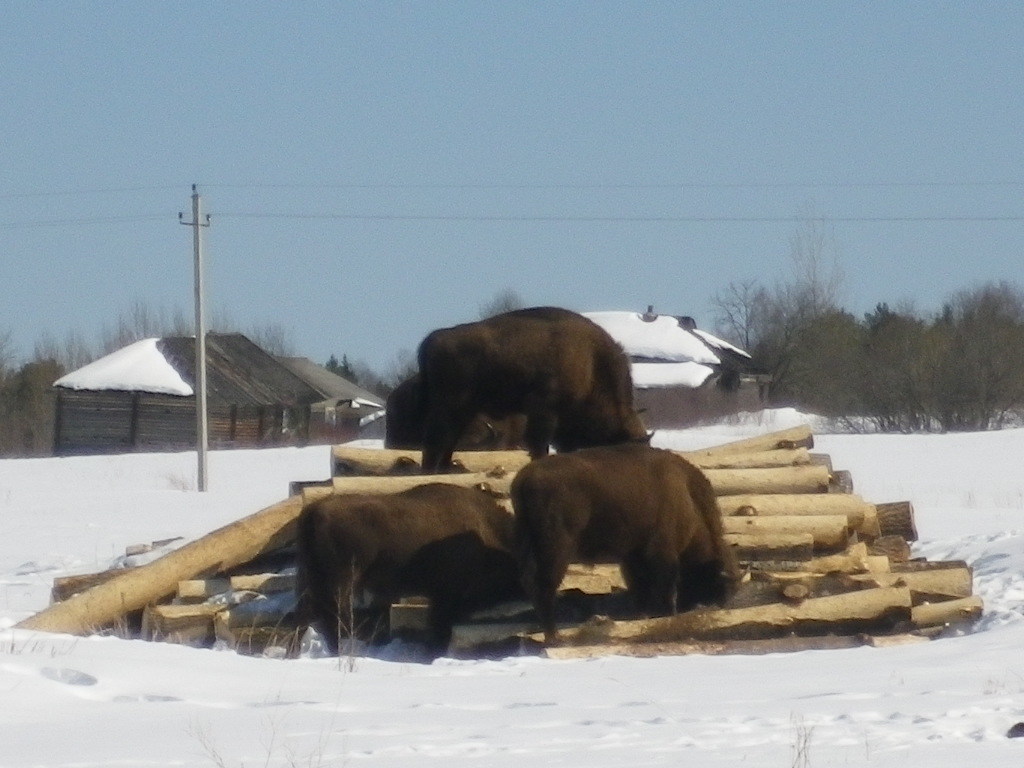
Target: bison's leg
{"x":703,"y":583}
{"x":542,"y":575}
{"x":652,"y":582}
{"x":326,"y":603}
{"x":541,"y":423}
{"x":441,"y":432}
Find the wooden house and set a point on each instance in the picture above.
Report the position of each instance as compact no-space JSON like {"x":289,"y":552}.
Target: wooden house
{"x":142,"y":398}
{"x":681,"y":374}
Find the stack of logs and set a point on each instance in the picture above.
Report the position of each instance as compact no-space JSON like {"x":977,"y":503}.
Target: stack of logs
{"x":822,"y":567}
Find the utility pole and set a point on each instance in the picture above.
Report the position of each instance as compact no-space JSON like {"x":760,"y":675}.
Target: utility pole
{"x":202,"y":434}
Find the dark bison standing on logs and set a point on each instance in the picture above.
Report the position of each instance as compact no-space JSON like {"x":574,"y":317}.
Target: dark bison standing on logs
{"x":647,"y":508}
{"x":405,"y":416}
{"x":563,"y":371}
{"x":452,"y":545}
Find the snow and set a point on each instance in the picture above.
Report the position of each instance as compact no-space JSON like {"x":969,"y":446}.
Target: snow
{"x":717,"y":343}
{"x":651,"y":375}
{"x":139,"y":367}
{"x":107,"y":702}
{"x":659,"y":339}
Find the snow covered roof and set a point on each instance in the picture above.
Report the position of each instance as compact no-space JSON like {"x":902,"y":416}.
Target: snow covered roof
{"x":688,"y":374}
{"x":664,"y":350}
{"x":660,"y":338}
{"x":139,"y":367}
{"x":716,"y":343}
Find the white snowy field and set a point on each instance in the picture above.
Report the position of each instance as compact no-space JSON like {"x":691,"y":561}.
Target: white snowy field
{"x":82,"y":702}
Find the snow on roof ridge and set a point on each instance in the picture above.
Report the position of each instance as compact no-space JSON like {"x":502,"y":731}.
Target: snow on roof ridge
{"x":660,"y":338}
{"x":139,"y":367}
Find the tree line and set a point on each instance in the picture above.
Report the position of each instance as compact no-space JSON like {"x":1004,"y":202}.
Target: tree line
{"x":894,"y":369}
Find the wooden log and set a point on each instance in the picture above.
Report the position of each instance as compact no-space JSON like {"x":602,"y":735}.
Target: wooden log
{"x":964,"y":610}
{"x":134,"y":589}
{"x":869,"y":610}
{"x":773,"y":547}
{"x":599,"y":579}
{"x":819,"y":459}
{"x":200,"y":590}
{"x":831,"y":533}
{"x":181,"y":624}
{"x":784,"y":457}
{"x":896,"y":518}
{"x":793,"y":480}
{"x":795,"y":437}
{"x":398,"y":483}
{"x":265,"y":583}
{"x":840,"y":481}
{"x":797,"y":479}
{"x":349,"y":461}
{"x":354,"y":461}
{"x":733,"y":647}
{"x":896,"y":548}
{"x":861,"y":515}
{"x":854,"y":559}
{"x":66,"y":586}
{"x":763,"y":588}
{"x":261,"y":612}
{"x":931,"y":585}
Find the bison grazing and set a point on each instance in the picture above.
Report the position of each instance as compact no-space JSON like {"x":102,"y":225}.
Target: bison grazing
{"x":405,"y":416}
{"x":452,"y":545}
{"x":561,"y":370}
{"x":648,"y":509}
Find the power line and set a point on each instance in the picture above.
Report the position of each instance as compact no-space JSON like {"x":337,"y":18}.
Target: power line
{"x":663,"y":186}
{"x":92,"y":191}
{"x":525,"y":219}
{"x":611,"y":219}
{"x":81,"y":222}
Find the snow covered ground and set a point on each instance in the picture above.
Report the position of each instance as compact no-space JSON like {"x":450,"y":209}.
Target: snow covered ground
{"x":83,"y":702}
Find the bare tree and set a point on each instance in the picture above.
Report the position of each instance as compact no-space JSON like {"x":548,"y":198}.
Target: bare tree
{"x":739,"y":312}
{"x":274,"y":338}
{"x":142,"y":321}
{"x":982,"y":373}
{"x":778,"y":322}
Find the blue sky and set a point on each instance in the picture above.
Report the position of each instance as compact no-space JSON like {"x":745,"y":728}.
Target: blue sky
{"x":375,"y":170}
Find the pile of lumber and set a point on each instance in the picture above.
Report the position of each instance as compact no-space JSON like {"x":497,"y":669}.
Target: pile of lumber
{"x":822,"y":568}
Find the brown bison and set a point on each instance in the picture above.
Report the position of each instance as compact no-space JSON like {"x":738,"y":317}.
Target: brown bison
{"x":646,"y":508}
{"x":452,"y":545}
{"x":405,"y":416}
{"x":563,"y":371}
